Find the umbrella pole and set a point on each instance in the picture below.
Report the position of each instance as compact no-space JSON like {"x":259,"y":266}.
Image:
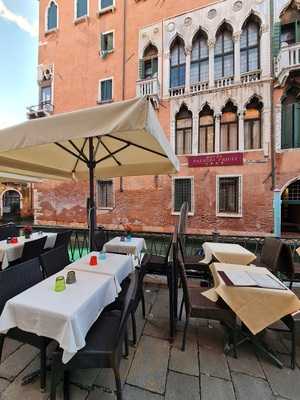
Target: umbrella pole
{"x":92,"y":216}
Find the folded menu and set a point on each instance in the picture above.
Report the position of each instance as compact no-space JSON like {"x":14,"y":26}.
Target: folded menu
{"x":251,"y":279}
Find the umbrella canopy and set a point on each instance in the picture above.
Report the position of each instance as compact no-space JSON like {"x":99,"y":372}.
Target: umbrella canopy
{"x":118,"y":139}
{"x":128,"y":141}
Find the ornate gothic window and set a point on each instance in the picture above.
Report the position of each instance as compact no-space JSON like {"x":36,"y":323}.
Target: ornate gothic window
{"x":199,"y":58}
{"x":224,"y":53}
{"x":183,"y":131}
{"x":177,"y":64}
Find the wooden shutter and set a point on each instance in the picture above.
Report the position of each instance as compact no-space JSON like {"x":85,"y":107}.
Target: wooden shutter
{"x":102,"y":42}
{"x":297,"y":27}
{"x":276,"y":38}
{"x":296,"y":112}
{"x":154,"y":67}
{"x":287,"y":126}
{"x":141,"y":69}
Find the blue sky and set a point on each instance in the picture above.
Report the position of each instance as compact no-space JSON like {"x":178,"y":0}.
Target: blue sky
{"x":18,"y":62}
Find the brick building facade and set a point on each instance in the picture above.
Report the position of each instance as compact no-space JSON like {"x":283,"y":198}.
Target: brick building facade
{"x":208,"y":69}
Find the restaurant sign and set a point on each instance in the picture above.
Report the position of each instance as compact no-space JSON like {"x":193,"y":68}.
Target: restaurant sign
{"x":215,"y":160}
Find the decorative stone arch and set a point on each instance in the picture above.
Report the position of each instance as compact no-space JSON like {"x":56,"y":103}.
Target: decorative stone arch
{"x":147,"y":44}
{"x":252,"y":97}
{"x":288,"y":183}
{"x":233,"y":101}
{"x":255,"y":14}
{"x":173,"y":38}
{"x":207,"y":103}
{"x":195,"y":33}
{"x":46,"y":14}
{"x":227,"y":22}
{"x":8,"y":189}
{"x":284,"y":7}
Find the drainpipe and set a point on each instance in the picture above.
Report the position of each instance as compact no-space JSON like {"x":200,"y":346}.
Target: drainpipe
{"x":273,"y":146}
{"x":124,"y":48}
{"x":277,"y":213}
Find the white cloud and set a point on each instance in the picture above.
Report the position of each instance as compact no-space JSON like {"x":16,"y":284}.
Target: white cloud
{"x":19,"y":20}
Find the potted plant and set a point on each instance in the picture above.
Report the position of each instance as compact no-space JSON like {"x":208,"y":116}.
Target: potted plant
{"x":27,"y":231}
{"x":128,"y":230}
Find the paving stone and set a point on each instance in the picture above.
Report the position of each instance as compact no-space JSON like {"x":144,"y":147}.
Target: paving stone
{"x":181,"y":386}
{"x":216,"y":389}
{"x":3,"y":385}
{"x":246,"y":386}
{"x":247,"y":361}
{"x":16,"y":391}
{"x":100,"y":394}
{"x":10,"y":346}
{"x":284,"y":382}
{"x":160,"y":308}
{"x":185,"y":361}
{"x":140,"y":323}
{"x":17,"y":361}
{"x":213,"y":363}
{"x":149,"y":367}
{"x":106,"y":376}
{"x":134,"y":393}
{"x":157,"y":328}
{"x":75,"y":393}
{"x":84,"y":378}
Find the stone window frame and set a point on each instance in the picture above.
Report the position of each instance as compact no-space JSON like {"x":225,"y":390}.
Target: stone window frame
{"x":82,"y":17}
{"x":47,"y":31}
{"x":114,"y":44}
{"x":100,"y":101}
{"x":98,"y":206}
{"x":106,"y":9}
{"x":192,"y":179}
{"x":239,"y":214}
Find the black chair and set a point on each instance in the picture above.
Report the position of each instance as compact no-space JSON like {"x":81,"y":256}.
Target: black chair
{"x":13,"y":281}
{"x":63,"y":238}
{"x":54,"y":261}
{"x":155,"y":264}
{"x":31,"y":249}
{"x":99,"y":239}
{"x":270,"y":254}
{"x":8,"y":230}
{"x":199,"y":306}
{"x":103,"y":348}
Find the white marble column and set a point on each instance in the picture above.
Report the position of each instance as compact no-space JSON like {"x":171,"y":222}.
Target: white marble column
{"x":187,"y":70}
{"x":265,"y":59}
{"x":217,"y":132}
{"x":195,"y":133}
{"x":241,"y":131}
{"x":266,"y":131}
{"x":211,"y":64}
{"x":237,"y":58}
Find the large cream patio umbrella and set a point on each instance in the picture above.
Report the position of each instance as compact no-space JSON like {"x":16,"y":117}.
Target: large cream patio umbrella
{"x":119,"y":139}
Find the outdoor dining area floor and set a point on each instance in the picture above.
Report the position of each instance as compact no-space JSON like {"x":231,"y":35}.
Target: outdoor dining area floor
{"x":157,"y":369}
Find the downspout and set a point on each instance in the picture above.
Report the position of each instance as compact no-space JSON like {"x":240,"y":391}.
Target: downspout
{"x":273,"y":146}
{"x":124,"y":48}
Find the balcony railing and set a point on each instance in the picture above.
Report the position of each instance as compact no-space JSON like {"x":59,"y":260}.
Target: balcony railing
{"x":251,"y":76}
{"x":224,"y":82}
{"x":287,"y":60}
{"x":43,"y":109}
{"x":148,"y":87}
{"x":177,"y":91}
{"x":198,"y":87}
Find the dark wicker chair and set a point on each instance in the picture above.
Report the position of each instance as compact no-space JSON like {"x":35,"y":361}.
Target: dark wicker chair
{"x":8,"y":230}
{"x":198,"y":306}
{"x":54,"y":261}
{"x":31,"y":249}
{"x":99,"y":239}
{"x":14,"y":281}
{"x":63,"y":239}
{"x":270,"y":254}
{"x":103,"y":348}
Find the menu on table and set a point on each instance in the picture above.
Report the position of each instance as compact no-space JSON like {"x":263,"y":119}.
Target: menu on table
{"x":251,"y":279}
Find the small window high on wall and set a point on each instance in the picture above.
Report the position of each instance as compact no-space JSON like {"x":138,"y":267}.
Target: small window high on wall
{"x":183,"y":191}
{"x":199,"y":58}
{"x":183,"y":131}
{"x":229,"y":193}
{"x":224,"y":53}
{"x":149,"y":63}
{"x":52,"y":16}
{"x":177,"y":64}
{"x":229,"y":128}
{"x":105,"y":193}
{"x":81,"y":8}
{"x":249,"y":45}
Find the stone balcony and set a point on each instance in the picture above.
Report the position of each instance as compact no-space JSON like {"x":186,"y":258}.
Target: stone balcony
{"x":288,"y":60}
{"x":44,"y":109}
{"x":150,"y":88}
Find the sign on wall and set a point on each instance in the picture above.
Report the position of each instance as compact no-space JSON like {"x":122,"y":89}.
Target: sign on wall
{"x":215,"y":160}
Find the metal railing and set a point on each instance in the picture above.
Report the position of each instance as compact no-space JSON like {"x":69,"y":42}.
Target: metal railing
{"x":41,"y":110}
{"x":287,"y":60}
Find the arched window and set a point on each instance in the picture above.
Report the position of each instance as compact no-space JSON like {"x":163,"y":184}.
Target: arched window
{"x":149,"y":63}
{"x":81,"y":8}
{"x":224,"y":53}
{"x":177,"y":64}
{"x":183,"y":131}
{"x":249,"y":46}
{"x":52,"y":16}
{"x":252,"y":125}
{"x":206,"y":140}
{"x":199,"y":59}
{"x":229,"y":128}
{"x":290,"y":129}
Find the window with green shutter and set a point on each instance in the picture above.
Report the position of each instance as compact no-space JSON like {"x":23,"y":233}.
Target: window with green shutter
{"x":276,"y":32}
{"x":52,"y":16}
{"x":182,"y":193}
{"x":106,"y":91}
{"x":107,"y":42}
{"x":290,"y":129}
{"x":81,"y":8}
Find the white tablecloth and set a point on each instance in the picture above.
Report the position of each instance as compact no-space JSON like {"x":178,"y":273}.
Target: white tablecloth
{"x":117,"y":265}
{"x":227,"y":253}
{"x":11,"y":252}
{"x":135,"y":246}
{"x":64,"y":316}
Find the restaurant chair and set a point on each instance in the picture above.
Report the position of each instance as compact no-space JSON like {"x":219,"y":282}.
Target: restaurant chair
{"x":103,"y":348}
{"x":199,"y":306}
{"x":54,"y":260}
{"x":63,"y":238}
{"x":270,"y":254}
{"x":99,"y":239}
{"x":31,"y":249}
{"x":156,"y":264}
{"x":13,"y":281}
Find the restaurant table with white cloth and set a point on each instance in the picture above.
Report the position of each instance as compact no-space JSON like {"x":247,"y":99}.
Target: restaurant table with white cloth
{"x":133,"y":246}
{"x":117,"y":265}
{"x":67,"y":316}
{"x":227,"y":253}
{"x":12,"y":251}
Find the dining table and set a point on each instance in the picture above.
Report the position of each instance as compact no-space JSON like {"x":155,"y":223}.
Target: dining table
{"x":127,"y":245}
{"x":12,"y":251}
{"x":230,"y":253}
{"x":68,"y":315}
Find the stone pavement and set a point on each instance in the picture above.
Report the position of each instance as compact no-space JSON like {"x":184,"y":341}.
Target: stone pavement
{"x":158,"y":370}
